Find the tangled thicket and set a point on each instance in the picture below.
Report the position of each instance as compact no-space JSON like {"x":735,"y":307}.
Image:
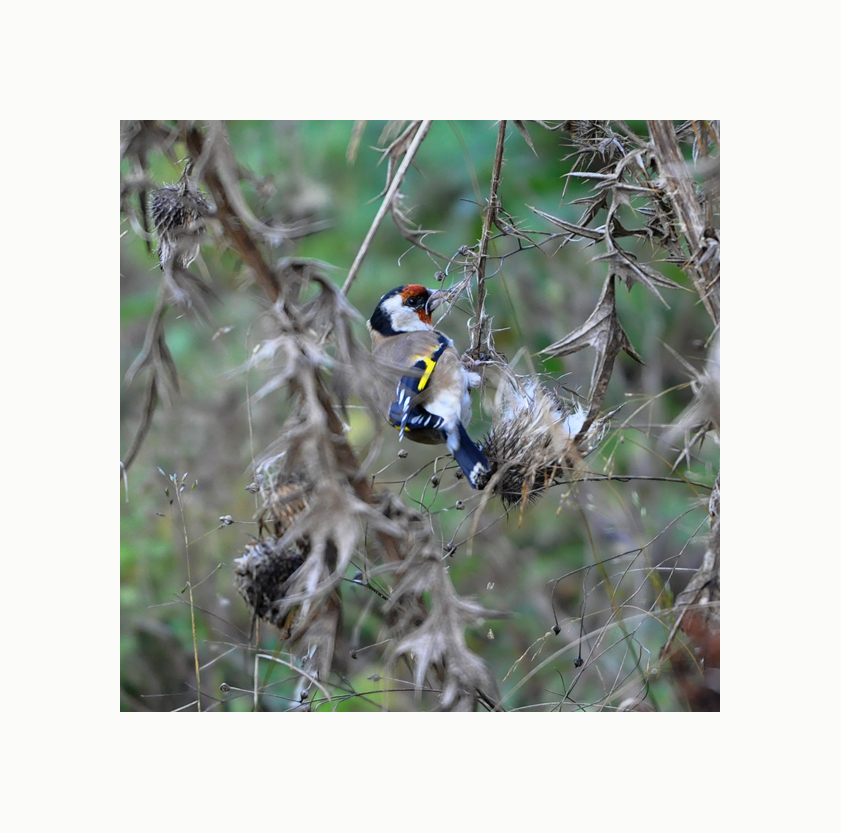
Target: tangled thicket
{"x":325,"y":521}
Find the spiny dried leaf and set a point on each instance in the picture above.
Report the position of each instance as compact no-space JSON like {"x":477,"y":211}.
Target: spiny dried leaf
{"x":625,"y":266}
{"x":318,"y":641}
{"x":703,"y":415}
{"x":156,"y":356}
{"x":599,"y":330}
{"x":678,"y":187}
{"x":602,"y":331}
{"x":433,"y":637}
{"x":355,"y":139}
{"x":303,"y":344}
{"x":139,"y":138}
{"x":700,"y":599}
{"x":572,"y":228}
{"x":414,"y":235}
{"x":395,"y":152}
{"x":223,"y":175}
{"x":525,"y":134}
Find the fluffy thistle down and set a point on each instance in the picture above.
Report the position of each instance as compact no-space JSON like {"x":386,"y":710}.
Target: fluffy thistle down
{"x":532,"y":441}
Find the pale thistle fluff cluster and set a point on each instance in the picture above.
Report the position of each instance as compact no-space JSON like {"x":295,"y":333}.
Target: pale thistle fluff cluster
{"x":532,"y":441}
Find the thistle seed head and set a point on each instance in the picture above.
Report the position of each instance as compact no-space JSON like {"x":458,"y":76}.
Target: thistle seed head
{"x":532,"y":438}
{"x":178,"y":212}
{"x":261,"y":576}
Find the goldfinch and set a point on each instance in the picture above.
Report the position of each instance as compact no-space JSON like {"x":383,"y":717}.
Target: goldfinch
{"x":430,"y":400}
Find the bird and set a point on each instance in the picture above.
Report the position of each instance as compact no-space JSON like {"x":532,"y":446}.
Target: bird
{"x":430,"y":402}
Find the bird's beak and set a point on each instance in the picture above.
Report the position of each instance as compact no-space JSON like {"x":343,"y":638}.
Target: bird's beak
{"x":436,"y":299}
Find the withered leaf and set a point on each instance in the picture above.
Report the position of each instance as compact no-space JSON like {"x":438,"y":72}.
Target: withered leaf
{"x":602,"y":331}
{"x":625,"y":266}
{"x":572,"y":228}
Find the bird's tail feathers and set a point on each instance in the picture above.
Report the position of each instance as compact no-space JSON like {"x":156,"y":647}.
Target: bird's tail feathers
{"x":473,"y":462}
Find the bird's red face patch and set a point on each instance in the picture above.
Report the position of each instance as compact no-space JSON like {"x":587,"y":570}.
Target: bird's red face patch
{"x":415,"y":296}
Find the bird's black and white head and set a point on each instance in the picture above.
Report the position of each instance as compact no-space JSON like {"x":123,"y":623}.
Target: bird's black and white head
{"x":405,"y":309}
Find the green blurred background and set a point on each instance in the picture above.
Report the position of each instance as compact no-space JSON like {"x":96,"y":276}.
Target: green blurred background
{"x":299,"y":171}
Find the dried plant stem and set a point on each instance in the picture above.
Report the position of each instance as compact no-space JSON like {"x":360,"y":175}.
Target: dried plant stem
{"x":154,"y":334}
{"x":678,"y":182}
{"x":234,"y":226}
{"x":479,"y":336}
{"x":149,"y":406}
{"x":386,"y":203}
{"x":247,"y":248}
{"x":178,"y":487}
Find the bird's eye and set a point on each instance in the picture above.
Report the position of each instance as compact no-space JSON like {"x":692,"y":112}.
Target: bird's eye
{"x":414,"y":301}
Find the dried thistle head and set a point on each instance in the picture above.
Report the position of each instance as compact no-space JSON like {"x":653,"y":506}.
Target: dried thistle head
{"x":532,"y":438}
{"x":262,"y":576}
{"x":291,"y":577}
{"x":263,"y":572}
{"x":285,"y":497}
{"x":178,"y":212}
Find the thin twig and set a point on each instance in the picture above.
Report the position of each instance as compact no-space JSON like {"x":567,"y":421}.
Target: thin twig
{"x":385,"y":207}
{"x":178,"y":488}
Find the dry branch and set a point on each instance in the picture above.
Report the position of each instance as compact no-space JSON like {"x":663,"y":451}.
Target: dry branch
{"x":387,"y":203}
{"x":702,"y":268}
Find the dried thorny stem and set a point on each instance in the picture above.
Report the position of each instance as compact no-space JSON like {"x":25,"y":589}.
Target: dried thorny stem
{"x":480,"y":331}
{"x":235,"y":226}
{"x":703,"y":264}
{"x":387,"y":203}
